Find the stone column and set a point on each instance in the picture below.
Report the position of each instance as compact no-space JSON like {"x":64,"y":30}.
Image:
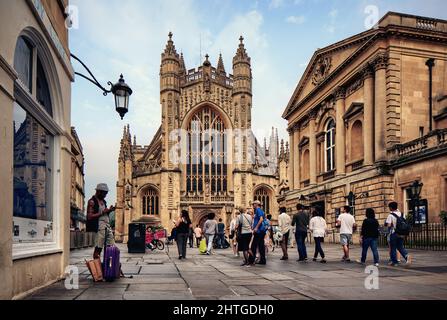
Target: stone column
{"x":291,"y":159}
{"x":368,"y":116}
{"x":312,"y":149}
{"x":380,"y":65}
{"x":340,"y":146}
{"x":296,"y":157}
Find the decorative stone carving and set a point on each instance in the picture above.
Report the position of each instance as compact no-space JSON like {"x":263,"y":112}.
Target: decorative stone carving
{"x":339,"y":93}
{"x":380,"y":61}
{"x":322,"y":69}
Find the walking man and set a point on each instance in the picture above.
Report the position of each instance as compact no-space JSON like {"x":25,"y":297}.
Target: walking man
{"x":398,"y":231}
{"x":220,"y":234}
{"x":318,"y":227}
{"x":301,"y":223}
{"x":210,"y":230}
{"x":347,"y":224}
{"x":99,"y":221}
{"x":284,"y":222}
{"x":259,"y":231}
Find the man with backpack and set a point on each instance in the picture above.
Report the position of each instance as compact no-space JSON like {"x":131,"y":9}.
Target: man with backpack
{"x":399,"y":229}
{"x":98,"y":219}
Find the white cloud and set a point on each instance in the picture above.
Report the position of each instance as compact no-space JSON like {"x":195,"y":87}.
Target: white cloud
{"x":296,"y":19}
{"x":331,"y":27}
{"x":275,"y":4}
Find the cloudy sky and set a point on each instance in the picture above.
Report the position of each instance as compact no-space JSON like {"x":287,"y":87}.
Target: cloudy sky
{"x":116,"y":36}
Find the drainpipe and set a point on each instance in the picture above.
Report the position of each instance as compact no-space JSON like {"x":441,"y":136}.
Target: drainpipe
{"x":430,"y":64}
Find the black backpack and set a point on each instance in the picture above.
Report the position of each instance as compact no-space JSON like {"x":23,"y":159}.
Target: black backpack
{"x":93,"y":224}
{"x":402,"y":226}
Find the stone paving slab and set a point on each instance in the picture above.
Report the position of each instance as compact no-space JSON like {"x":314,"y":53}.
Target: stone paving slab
{"x":158,"y":276}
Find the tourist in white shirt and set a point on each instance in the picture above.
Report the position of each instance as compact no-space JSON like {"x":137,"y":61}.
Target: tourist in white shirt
{"x":284,"y":225}
{"x":346,"y":223}
{"x":233,"y":237}
{"x":318,"y":227}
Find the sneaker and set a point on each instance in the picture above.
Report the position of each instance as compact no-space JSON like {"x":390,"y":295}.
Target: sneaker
{"x":305,"y":259}
{"x":314,"y":259}
{"x":323,"y":261}
{"x":180,"y":257}
{"x":376,"y":264}
{"x":243,"y":264}
{"x":348,"y":260}
{"x":359,"y":261}
{"x":207,"y":253}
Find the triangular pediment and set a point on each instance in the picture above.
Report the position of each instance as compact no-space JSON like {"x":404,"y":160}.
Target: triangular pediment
{"x":324,"y":64}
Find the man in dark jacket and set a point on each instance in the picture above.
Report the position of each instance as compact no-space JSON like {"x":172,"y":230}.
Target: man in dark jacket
{"x":301,"y":221}
{"x":369,"y":236}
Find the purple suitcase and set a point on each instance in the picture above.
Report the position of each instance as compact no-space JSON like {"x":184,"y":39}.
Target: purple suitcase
{"x":112,"y":266}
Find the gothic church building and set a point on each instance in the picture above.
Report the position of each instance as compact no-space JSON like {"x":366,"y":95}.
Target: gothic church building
{"x":204,"y":157}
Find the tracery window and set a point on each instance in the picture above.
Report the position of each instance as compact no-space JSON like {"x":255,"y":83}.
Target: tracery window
{"x":206,"y":167}
{"x":151,"y":203}
{"x":262,"y":195}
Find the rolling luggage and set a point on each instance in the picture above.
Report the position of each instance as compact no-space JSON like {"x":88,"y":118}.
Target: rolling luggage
{"x":111,"y":264}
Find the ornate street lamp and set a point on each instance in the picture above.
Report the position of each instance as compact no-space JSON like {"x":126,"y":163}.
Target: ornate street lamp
{"x":120,"y":90}
{"x":415,"y":191}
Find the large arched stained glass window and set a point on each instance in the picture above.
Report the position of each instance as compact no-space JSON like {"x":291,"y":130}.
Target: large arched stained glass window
{"x":263,"y":196}
{"x":150,"y":202}
{"x":206,"y":167}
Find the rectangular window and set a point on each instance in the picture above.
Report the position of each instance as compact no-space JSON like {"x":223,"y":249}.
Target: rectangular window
{"x":33,"y":174}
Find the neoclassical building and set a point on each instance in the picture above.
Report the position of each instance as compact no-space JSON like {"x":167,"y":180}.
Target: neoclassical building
{"x":204,"y":157}
{"x":369,"y":117}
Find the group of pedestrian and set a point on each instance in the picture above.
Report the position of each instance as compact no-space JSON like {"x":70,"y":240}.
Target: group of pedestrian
{"x":251,"y":230}
{"x":312,"y":222}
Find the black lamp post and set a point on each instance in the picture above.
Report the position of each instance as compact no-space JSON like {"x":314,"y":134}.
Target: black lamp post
{"x":416,"y":189}
{"x":120,"y":90}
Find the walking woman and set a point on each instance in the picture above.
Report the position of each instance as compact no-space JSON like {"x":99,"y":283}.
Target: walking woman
{"x":370,"y":236}
{"x":318,"y":227}
{"x":183,"y":225}
{"x":244,"y":234}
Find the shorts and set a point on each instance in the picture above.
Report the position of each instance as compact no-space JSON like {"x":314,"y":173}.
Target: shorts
{"x":104,"y":237}
{"x":244,"y":242}
{"x":345,"y":239}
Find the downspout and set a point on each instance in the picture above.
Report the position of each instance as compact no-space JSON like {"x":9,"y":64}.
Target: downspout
{"x":430,"y":64}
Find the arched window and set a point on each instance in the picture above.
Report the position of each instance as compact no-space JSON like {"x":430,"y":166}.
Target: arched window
{"x":262,"y":195}
{"x":29,"y":67}
{"x":33,"y":195}
{"x":330,"y":145}
{"x":206,"y":152}
{"x":357,"y":141}
{"x":150,"y":202}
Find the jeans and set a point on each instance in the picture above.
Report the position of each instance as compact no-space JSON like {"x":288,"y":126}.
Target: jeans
{"x":220,"y":240}
{"x":397,"y":244}
{"x":284,"y":242}
{"x":182,"y":241}
{"x":258,"y":243}
{"x":370,"y":243}
{"x":191,"y":240}
{"x":300,"y":237}
{"x":318,"y":248}
{"x":209,"y":240}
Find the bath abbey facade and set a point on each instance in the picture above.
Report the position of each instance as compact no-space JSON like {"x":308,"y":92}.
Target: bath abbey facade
{"x":204,"y":157}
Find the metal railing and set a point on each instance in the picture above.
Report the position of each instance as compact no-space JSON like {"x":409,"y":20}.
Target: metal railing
{"x":81,"y":240}
{"x":431,"y":236}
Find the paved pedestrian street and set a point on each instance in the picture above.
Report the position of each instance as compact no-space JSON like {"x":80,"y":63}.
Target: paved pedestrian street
{"x":161,"y":276}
